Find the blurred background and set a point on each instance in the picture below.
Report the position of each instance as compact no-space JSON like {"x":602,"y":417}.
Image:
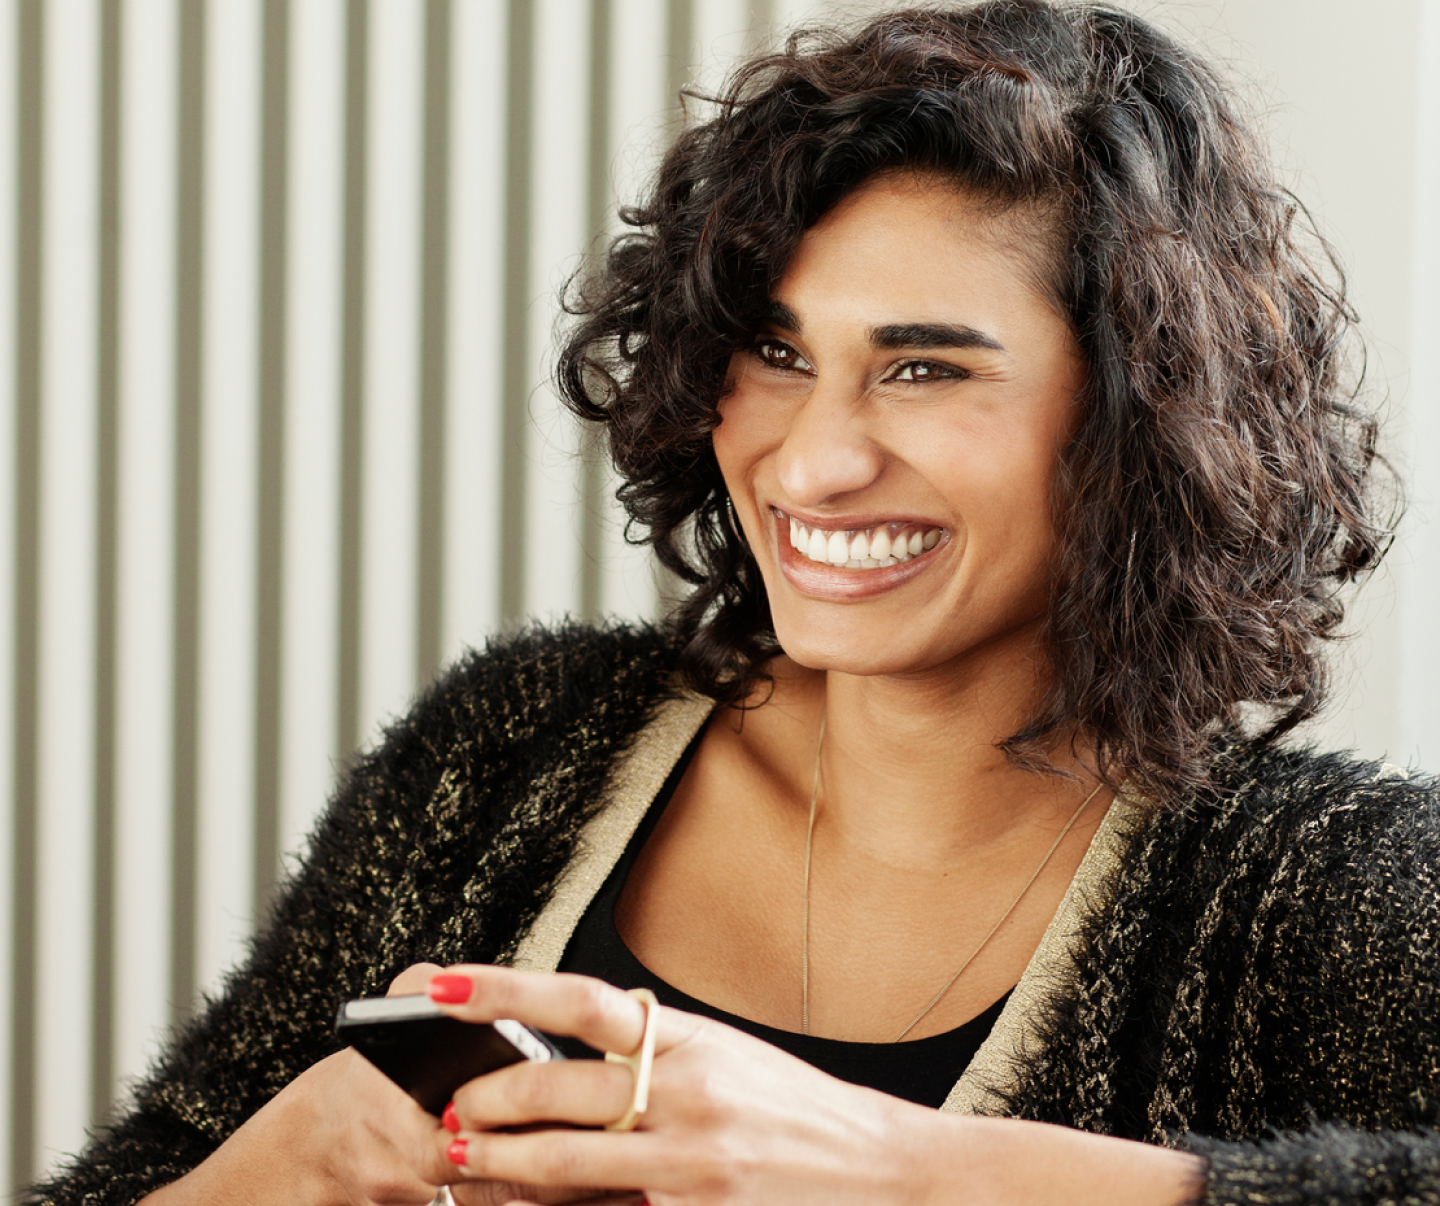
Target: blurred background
{"x":277,"y":295}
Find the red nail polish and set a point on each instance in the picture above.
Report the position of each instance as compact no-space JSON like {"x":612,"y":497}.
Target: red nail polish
{"x":450,"y":990}
{"x":456,"y":1152}
{"x":449,"y":1120}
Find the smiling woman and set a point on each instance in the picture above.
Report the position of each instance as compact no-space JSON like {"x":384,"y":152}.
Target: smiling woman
{"x":970,"y":369}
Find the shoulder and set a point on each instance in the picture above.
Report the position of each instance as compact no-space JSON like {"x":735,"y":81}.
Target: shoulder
{"x":549,"y":705}
{"x":1279,"y":935}
{"x":1316,"y":879}
{"x":478,"y":791}
{"x":1353,"y":822}
{"x":1291,"y":831}
{"x":537,"y":683}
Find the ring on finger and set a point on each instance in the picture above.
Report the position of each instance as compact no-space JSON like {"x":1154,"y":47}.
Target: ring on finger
{"x":640,"y":1062}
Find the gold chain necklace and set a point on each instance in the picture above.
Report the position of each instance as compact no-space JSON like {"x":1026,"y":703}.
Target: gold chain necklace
{"x":959,"y":971}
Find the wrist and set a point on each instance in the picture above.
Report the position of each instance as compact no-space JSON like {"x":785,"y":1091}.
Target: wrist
{"x":922,"y":1151}
{"x":278,"y":1156}
{"x":298,"y":1131}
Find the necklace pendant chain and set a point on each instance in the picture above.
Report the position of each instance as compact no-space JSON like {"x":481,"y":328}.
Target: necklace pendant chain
{"x":805,"y":928}
{"x":959,"y":971}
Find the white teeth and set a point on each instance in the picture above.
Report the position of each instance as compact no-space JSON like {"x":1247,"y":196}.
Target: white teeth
{"x":862,"y":549}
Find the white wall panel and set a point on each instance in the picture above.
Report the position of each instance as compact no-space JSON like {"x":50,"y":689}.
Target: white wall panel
{"x":1417,"y":738}
{"x":145,"y":531}
{"x":67,"y":576}
{"x":474,"y":376}
{"x":643,"y":114}
{"x":312,"y":411}
{"x":722,"y":35}
{"x":392,"y":366}
{"x":229,"y":468}
{"x":642,"y":109}
{"x":9,"y":180}
{"x":558,"y":223}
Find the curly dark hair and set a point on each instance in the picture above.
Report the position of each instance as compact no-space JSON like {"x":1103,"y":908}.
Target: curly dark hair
{"x":1217,"y":492}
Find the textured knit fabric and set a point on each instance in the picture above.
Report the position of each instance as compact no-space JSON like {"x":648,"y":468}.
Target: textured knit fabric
{"x":1263,"y":984}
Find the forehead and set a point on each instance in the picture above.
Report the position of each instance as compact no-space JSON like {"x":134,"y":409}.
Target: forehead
{"x":910,"y":241}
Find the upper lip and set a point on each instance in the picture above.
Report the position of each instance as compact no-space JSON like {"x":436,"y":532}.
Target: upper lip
{"x":854,"y":523}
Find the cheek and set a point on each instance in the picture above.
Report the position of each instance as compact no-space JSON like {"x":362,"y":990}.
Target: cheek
{"x":747,"y":428}
{"x":999,"y":477}
{"x":726,"y":440}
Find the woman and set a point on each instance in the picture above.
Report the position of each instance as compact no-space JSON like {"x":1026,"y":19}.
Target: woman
{"x":970,"y":370}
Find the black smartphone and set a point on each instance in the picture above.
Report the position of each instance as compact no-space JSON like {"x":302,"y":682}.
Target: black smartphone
{"x":428,"y":1053}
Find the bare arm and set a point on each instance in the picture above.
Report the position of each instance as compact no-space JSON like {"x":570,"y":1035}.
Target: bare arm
{"x":1019,"y":1163}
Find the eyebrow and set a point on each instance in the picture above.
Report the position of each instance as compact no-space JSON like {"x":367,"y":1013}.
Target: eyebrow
{"x":894,"y":336}
{"x":932,"y":335}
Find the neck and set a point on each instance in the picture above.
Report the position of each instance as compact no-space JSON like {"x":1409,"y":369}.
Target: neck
{"x":910,"y":772}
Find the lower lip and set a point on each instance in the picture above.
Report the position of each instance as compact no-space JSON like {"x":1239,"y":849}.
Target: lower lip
{"x":822,"y":581}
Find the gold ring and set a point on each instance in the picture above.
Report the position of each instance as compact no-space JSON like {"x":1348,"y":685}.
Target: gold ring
{"x":640,"y":1063}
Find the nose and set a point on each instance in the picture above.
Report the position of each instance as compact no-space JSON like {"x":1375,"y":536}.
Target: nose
{"x":828,"y":451}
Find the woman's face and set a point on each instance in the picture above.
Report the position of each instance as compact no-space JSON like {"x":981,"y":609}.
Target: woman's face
{"x":891,"y":438}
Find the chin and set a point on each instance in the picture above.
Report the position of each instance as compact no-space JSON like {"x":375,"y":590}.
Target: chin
{"x":863,"y":655}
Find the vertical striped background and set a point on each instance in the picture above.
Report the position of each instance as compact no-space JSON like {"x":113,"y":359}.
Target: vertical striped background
{"x":277,"y":285}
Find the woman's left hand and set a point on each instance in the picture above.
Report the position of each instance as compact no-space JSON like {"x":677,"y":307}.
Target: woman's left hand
{"x":730,"y":1118}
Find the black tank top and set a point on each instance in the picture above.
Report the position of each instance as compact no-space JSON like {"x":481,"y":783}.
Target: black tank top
{"x":922,"y":1070}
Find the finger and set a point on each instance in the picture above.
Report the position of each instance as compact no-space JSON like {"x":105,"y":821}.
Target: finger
{"x":504,"y":1193}
{"x":584,"y":1092}
{"x":607,"y":1018}
{"x":560,"y":1157}
{"x":412,"y":980}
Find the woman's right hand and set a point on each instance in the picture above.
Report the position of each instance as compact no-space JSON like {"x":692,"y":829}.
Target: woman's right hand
{"x":343,"y":1134}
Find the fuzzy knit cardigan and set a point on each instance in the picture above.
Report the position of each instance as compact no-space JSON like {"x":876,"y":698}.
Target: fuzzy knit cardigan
{"x":1262,"y":983}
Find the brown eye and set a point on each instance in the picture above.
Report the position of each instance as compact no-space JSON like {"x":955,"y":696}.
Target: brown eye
{"x":928,"y":370}
{"x":774,"y":354}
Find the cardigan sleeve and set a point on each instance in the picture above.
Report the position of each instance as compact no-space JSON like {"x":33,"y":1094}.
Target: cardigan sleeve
{"x":1328,"y":1165}
{"x":1345,"y":993}
{"x":274,"y":1017}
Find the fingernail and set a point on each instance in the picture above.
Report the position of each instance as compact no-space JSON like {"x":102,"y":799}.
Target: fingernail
{"x":456,"y":1152}
{"x":449,"y":1120}
{"x":450,"y":990}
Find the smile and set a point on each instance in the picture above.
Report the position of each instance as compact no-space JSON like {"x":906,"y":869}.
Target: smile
{"x":878,"y":547}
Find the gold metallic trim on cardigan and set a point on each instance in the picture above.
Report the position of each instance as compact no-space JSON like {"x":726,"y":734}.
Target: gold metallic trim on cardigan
{"x":1014,"y":1036}
{"x":637,"y":779}
{"x":633,"y":785}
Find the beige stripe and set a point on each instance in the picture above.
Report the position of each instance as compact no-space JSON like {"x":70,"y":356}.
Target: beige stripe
{"x":1014,"y":1037}
{"x":640,"y":775}
{"x":633,"y":785}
